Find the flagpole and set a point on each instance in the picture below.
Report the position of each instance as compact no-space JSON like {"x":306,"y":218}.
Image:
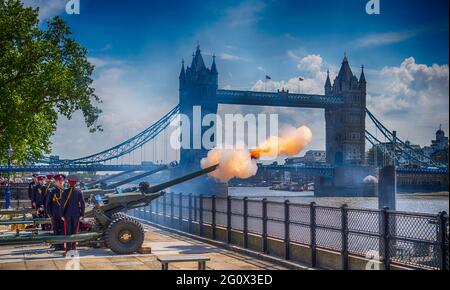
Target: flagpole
{"x":265,"y":81}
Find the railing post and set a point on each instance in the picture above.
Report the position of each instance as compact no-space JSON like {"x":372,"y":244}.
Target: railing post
{"x":172,"y":217}
{"x":150,"y":213}
{"x":190,"y":213}
{"x":228,"y":219}
{"x":443,"y":239}
{"x":164,"y":209}
{"x":195,"y":208}
{"x":287,"y":236}
{"x":344,"y":233}
{"x":386,"y":239}
{"x":200,"y":206}
{"x":157,"y":209}
{"x":245,"y":222}
{"x":180,"y":212}
{"x":312,"y":216}
{"x":213,"y":217}
{"x":264,"y":225}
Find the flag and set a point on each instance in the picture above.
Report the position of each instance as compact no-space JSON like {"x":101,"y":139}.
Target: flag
{"x":301,"y":79}
{"x":268,"y":78}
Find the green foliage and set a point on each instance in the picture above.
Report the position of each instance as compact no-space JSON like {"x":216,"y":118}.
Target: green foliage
{"x":43,"y":74}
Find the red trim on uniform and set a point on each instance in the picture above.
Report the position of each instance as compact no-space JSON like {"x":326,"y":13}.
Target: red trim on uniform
{"x":65,"y":233}
{"x":76,"y":232}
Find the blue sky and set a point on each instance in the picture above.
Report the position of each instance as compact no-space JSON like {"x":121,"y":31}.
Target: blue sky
{"x":137,"y":47}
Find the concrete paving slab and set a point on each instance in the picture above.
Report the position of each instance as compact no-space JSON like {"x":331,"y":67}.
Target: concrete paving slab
{"x":40,"y":257}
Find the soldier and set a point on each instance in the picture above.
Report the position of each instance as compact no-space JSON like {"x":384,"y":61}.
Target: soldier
{"x":38,"y":197}
{"x":49,"y":183}
{"x":53,"y":207}
{"x":73,"y":210}
{"x":31,"y":186}
{"x":48,"y":188}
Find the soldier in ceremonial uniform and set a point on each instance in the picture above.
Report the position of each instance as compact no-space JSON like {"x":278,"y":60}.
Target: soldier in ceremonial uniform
{"x":38,"y":197}
{"x":53,"y":207}
{"x":48,"y":188}
{"x":72,"y":210}
{"x":31,"y":186}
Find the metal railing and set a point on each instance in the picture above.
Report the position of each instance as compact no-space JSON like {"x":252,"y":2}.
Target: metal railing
{"x":19,"y":194}
{"x":396,"y":238}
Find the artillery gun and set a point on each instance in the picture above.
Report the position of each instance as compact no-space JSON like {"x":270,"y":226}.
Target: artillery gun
{"x":106,"y":219}
{"x":103,"y":189}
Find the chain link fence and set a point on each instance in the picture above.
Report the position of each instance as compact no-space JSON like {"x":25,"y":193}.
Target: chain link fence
{"x":407,"y":239}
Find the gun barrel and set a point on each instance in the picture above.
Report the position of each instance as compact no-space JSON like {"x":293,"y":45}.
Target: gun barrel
{"x":90,"y":184}
{"x":181,"y":179}
{"x":137,"y":177}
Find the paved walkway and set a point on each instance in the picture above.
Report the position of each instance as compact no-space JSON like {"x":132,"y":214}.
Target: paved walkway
{"x":39,"y":257}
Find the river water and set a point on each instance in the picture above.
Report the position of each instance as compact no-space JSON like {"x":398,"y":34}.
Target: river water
{"x":431,"y":204}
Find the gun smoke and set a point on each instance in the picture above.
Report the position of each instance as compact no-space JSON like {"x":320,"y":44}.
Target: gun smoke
{"x":241,"y":163}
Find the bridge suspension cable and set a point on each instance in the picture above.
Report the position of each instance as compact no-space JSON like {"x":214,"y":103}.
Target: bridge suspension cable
{"x":127,"y":146}
{"x":400,"y":151}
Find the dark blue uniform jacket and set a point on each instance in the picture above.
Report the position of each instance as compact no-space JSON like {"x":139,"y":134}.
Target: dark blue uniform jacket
{"x":39,"y":195}
{"x":73,"y":203}
{"x":31,"y":186}
{"x":53,"y":202}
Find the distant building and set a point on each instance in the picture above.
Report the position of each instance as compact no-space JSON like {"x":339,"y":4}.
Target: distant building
{"x":441,"y":141}
{"x":438,"y":151}
{"x":310,"y":157}
{"x":439,"y":147}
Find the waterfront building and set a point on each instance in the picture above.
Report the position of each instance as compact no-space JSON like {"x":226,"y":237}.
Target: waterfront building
{"x":310,"y":157}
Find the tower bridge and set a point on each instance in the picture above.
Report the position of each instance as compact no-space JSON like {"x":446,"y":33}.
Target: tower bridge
{"x":344,"y":105}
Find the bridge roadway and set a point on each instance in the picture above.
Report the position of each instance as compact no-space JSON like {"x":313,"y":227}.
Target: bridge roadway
{"x":277,"y":99}
{"x":324,"y":170}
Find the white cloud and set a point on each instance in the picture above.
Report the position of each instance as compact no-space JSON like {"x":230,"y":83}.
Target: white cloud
{"x":47,"y":8}
{"x":411,"y":97}
{"x":378,"y":39}
{"x":245,"y":14}
{"x":313,"y":83}
{"x":312,"y":63}
{"x":231,"y":57}
{"x":127,"y":110}
{"x":100,"y":62}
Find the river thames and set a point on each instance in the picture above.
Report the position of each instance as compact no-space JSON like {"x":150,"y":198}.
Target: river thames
{"x":423,"y":203}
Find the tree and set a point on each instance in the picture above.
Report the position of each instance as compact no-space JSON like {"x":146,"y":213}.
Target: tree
{"x":43,"y":74}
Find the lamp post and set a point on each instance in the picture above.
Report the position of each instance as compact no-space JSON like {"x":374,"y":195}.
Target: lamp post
{"x":8,"y":189}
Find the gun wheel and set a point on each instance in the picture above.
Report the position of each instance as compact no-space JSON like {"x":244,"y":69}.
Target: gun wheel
{"x":118,"y":215}
{"x":124,"y":236}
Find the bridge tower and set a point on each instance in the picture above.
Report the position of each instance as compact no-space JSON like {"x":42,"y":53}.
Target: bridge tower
{"x":345,"y":124}
{"x":198,"y":88}
{"x":345,"y":137}
{"x":198,"y":98}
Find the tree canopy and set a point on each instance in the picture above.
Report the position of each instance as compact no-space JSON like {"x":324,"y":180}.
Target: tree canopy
{"x":44,"y":74}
